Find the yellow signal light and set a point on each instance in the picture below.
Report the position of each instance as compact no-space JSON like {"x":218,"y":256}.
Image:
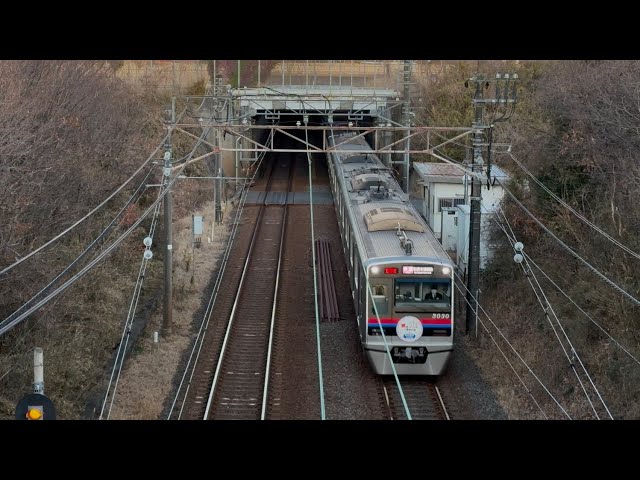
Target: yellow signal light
{"x":34,"y":413}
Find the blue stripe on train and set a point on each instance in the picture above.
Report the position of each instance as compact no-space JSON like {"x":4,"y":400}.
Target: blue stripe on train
{"x":393,"y":325}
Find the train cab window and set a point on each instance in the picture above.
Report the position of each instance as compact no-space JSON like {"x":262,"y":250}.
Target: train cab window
{"x":381,"y":300}
{"x":422,"y":295}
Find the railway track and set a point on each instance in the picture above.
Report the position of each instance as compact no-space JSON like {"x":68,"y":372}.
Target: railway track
{"x":240,"y":384}
{"x":231,"y":377}
{"x":423,"y":398}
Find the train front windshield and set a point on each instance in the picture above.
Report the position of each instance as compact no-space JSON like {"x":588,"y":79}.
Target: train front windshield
{"x":422,"y":295}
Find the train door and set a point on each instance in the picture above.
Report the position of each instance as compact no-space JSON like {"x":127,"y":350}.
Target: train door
{"x":381,"y":289}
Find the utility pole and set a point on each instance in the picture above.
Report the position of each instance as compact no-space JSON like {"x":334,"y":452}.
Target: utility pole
{"x":217,"y":140}
{"x":476,"y":195}
{"x":505,"y":94}
{"x":406,"y":119}
{"x":217,"y":186}
{"x":167,"y":318}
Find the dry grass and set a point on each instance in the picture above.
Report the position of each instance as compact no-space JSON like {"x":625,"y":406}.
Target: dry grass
{"x":163,"y":75}
{"x":147,"y":377}
{"x":520,"y":318}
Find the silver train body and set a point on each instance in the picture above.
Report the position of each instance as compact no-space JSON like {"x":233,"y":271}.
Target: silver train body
{"x":401,"y":278}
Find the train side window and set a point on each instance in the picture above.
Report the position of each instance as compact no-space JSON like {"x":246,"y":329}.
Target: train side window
{"x":380,"y":299}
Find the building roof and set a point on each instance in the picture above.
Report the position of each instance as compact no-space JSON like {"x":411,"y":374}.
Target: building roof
{"x":430,"y":172}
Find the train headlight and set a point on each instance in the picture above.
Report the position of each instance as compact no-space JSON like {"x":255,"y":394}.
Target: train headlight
{"x":375,"y":270}
{"x":446,"y":270}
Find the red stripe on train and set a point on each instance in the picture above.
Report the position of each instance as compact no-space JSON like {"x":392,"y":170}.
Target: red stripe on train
{"x":424,"y":321}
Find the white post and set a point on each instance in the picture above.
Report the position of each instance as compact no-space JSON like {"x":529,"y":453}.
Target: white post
{"x":38,"y":370}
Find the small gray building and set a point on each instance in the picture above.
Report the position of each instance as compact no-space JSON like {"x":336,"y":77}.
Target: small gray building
{"x":439,"y":192}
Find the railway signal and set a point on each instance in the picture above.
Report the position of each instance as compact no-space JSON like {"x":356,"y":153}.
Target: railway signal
{"x":35,"y":406}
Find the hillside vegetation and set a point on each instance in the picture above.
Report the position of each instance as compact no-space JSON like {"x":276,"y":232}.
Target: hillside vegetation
{"x":71,"y":133}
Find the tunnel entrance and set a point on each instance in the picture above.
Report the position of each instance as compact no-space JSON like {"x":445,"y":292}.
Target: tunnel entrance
{"x":277,"y":165}
{"x":314,"y":137}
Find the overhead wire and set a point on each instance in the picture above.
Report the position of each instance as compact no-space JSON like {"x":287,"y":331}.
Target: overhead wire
{"x":37,"y":322}
{"x":581,"y":309}
{"x":315,"y":281}
{"x":575,"y":354}
{"x":478,"y":305}
{"x":566,"y":247}
{"x":573,"y":349}
{"x":91,"y":264}
{"x":549,"y":307}
{"x":128,"y":324}
{"x":564,"y":411}
{"x":504,"y":355}
{"x":131,"y":200}
{"x":520,"y":379}
{"x":384,"y":338}
{"x":113,"y":194}
{"x":313,"y":253}
{"x":514,"y":350}
{"x":204,"y":324}
{"x":572,"y":210}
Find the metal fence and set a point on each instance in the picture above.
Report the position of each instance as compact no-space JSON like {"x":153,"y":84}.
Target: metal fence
{"x":178,"y":76}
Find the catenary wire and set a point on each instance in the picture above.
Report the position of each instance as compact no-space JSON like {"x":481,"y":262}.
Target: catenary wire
{"x":516,"y":352}
{"x":572,"y":210}
{"x":115,"y":192}
{"x":574,"y":351}
{"x":566,"y":247}
{"x":545,"y":311}
{"x":97,"y":259}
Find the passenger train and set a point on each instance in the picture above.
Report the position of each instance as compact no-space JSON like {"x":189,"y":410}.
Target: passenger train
{"x":387,"y":244}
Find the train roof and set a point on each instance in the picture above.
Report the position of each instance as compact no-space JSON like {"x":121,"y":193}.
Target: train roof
{"x":377,"y":205}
